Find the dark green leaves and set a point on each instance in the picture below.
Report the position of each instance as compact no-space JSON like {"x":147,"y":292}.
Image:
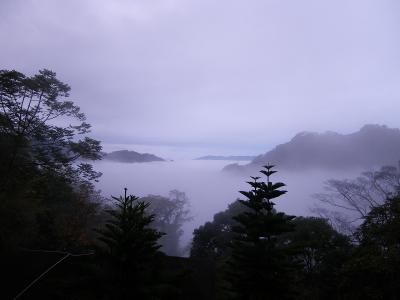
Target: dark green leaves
{"x":28,"y":108}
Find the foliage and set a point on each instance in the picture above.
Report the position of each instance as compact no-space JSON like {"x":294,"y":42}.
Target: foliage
{"x":130,"y":246}
{"x":373,"y":272}
{"x":67,"y":214}
{"x":321,"y":252}
{"x":213,"y":239}
{"x":346,"y":202}
{"x":169,"y":216}
{"x":31,"y":108}
{"x":260,"y":267}
{"x":381,"y":226}
{"x":47,"y":198}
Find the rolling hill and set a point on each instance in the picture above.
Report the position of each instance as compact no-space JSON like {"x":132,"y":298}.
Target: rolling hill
{"x":372,"y":145}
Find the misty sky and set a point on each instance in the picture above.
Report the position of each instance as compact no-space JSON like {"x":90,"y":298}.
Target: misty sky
{"x":228,"y":76}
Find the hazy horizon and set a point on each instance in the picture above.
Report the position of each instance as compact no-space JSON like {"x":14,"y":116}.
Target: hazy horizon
{"x":223,"y":75}
{"x":179,"y":152}
{"x":208,"y":189}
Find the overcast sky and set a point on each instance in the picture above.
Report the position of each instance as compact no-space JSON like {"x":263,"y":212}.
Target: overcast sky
{"x":233,"y":76}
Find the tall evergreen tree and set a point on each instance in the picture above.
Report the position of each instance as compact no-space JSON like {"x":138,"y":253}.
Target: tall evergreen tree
{"x":259,"y":266}
{"x":130,"y":246}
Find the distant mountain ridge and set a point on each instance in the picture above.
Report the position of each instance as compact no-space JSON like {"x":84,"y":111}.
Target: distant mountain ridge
{"x":372,"y":145}
{"x":127,"y":156}
{"x":219,"y":157}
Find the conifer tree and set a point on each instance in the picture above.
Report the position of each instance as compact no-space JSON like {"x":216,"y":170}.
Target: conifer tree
{"x":130,"y":247}
{"x":259,"y":267}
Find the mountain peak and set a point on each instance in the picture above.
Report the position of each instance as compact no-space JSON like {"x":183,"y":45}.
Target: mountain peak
{"x":375,"y":127}
{"x":373,"y":145}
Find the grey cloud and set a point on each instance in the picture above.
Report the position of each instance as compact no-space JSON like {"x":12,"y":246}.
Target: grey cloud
{"x":214,"y":72}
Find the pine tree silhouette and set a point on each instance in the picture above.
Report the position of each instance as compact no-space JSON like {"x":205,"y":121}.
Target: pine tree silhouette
{"x":260,"y":268}
{"x":130,"y":246}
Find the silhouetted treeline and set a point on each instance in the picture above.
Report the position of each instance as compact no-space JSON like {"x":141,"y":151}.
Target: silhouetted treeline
{"x":260,"y":253}
{"x":49,"y":207}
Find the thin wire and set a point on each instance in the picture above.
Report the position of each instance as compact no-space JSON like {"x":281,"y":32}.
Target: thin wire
{"x":58,"y":252}
{"x":67,"y":254}
{"x":40,"y":276}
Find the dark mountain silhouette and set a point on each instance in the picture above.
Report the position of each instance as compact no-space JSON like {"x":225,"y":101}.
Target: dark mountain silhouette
{"x":372,"y":145}
{"x":127,"y":156}
{"x":218,"y":157}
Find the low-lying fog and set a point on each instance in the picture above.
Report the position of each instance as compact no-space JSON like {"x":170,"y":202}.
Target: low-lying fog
{"x":208,"y":188}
